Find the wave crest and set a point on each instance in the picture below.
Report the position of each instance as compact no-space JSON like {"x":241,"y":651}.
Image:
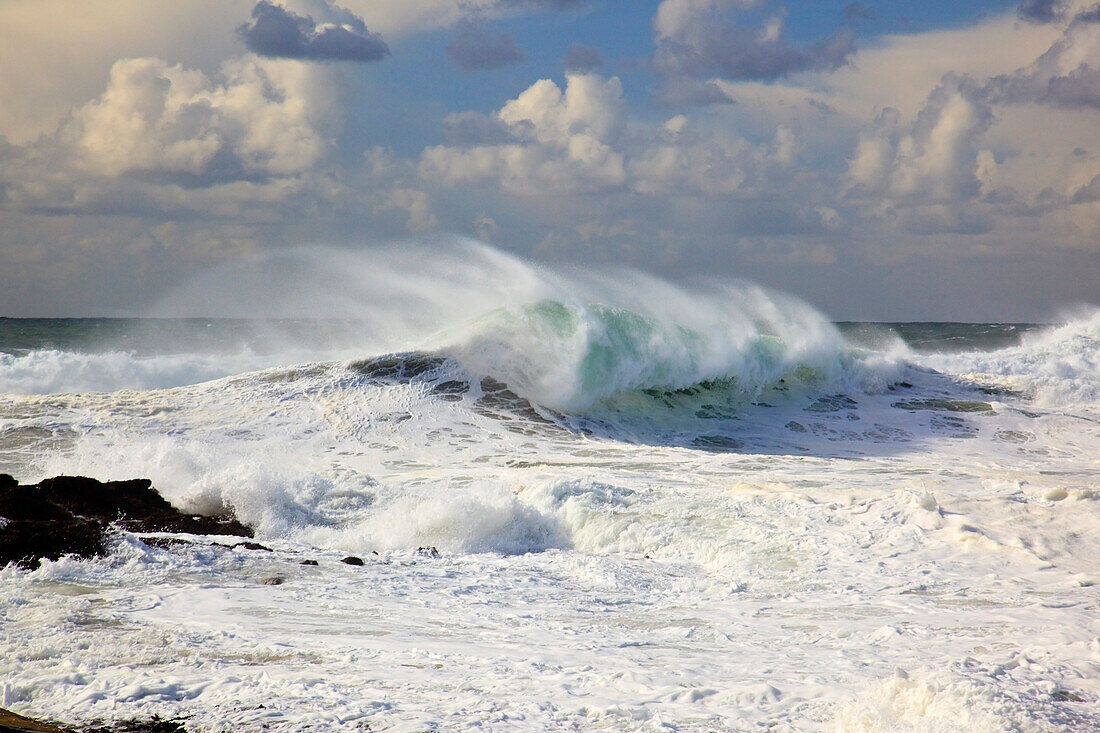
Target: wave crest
{"x":571,"y":355}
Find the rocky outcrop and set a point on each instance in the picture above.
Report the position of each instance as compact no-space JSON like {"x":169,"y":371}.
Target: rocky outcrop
{"x":70,"y":515}
{"x":12,"y":723}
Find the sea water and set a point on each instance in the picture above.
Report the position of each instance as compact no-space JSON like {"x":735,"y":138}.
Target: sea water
{"x":583,"y":501}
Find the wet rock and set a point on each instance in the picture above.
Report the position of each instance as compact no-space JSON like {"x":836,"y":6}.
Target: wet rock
{"x":308,"y":562}
{"x":353,"y":560}
{"x":165,"y":543}
{"x":716,"y":443}
{"x":10,"y":721}
{"x":155,"y":724}
{"x":70,"y":515}
{"x":252,"y":546}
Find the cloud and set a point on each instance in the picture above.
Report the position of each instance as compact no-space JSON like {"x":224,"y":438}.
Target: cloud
{"x":474,"y":48}
{"x":163,"y":140}
{"x":1078,"y":88}
{"x":277,"y":32}
{"x":701,"y":38}
{"x":578,"y":140}
{"x":1066,"y":75}
{"x":55,"y":54}
{"x":582,"y":58}
{"x":1088,"y":194}
{"x":970,"y":144}
{"x":473,"y":128}
{"x":858,"y":11}
{"x":933,"y":161}
{"x":559,"y":140}
{"x":399,"y":18}
{"x":1040,"y":11}
{"x":159,"y":117}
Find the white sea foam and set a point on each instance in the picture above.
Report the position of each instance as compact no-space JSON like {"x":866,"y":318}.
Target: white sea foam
{"x":1058,"y":367}
{"x":872,"y":543}
{"x":52,"y":371}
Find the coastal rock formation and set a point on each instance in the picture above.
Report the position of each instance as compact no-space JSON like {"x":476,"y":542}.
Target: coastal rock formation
{"x":13,"y":723}
{"x":70,"y":515}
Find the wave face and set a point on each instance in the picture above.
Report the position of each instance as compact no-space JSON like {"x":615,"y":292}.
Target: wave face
{"x":597,"y":491}
{"x":572,"y":356}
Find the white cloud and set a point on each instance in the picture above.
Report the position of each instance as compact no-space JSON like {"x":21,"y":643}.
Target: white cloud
{"x":55,"y":54}
{"x":416,"y":205}
{"x":901,"y":71}
{"x":934,"y":160}
{"x":161,"y":137}
{"x":561,"y":140}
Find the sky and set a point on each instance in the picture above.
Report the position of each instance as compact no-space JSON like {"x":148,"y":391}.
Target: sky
{"x":906,"y":160}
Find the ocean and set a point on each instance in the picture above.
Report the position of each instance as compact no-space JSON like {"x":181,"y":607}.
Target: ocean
{"x":583,"y":502}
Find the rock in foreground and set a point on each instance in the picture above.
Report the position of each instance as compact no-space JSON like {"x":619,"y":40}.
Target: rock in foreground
{"x":70,"y":515}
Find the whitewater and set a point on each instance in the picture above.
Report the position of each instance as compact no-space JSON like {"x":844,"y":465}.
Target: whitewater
{"x":583,"y":501}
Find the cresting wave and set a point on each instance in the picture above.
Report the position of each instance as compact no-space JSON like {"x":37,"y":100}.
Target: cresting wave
{"x":1055,"y":367}
{"x":564,"y":340}
{"x":573,"y":356}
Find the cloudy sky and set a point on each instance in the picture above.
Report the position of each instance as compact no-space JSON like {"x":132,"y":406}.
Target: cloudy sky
{"x":902,"y":160}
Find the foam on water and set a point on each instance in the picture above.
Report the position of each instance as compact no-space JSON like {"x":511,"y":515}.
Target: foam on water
{"x":49,"y":371}
{"x":1056,"y":367}
{"x":599,"y":501}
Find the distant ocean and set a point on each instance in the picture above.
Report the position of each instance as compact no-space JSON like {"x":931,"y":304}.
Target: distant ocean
{"x":664,"y":510}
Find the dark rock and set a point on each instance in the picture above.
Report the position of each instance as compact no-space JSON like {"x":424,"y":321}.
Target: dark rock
{"x":155,"y":724}
{"x":252,"y":546}
{"x":70,"y":515}
{"x":12,"y":723}
{"x":27,"y":542}
{"x":134,"y":505}
{"x":308,"y":562}
{"x":716,"y":443}
{"x":352,"y":560}
{"x":165,"y":543}
{"x":428,"y":551}
{"x":7,"y":480}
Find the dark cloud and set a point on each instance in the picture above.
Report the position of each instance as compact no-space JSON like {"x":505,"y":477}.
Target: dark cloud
{"x":712,"y":44}
{"x":1078,"y":88}
{"x":1046,"y":82}
{"x":1040,"y":11}
{"x":552,"y":4}
{"x":474,"y":48}
{"x":474,"y":128}
{"x":1088,"y":194}
{"x":738,"y":53}
{"x":932,"y":220}
{"x":858,"y":11}
{"x":686,"y":92}
{"x":582,"y":58}
{"x":276,"y":31}
{"x":1089,"y":16}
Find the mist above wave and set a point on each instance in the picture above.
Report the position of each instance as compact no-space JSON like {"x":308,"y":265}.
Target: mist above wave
{"x":564,"y":339}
